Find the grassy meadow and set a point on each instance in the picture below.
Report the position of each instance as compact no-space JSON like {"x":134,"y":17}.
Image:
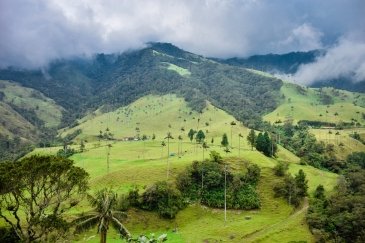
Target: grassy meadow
{"x":141,"y":163}
{"x":300,"y":103}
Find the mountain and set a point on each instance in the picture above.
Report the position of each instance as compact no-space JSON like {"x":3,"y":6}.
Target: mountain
{"x":75,"y":88}
{"x":80,"y":85}
{"x":289,"y":63}
{"x":282,"y":63}
{"x":27,"y":117}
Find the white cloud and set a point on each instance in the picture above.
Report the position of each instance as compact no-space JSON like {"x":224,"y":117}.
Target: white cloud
{"x":36,"y":31}
{"x":346,"y":59}
{"x":304,"y":38}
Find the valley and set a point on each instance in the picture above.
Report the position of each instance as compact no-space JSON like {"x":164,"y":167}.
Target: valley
{"x":127,"y":118}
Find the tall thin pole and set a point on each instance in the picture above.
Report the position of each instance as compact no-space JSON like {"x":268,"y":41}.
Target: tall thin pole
{"x":225,"y":194}
{"x":107,"y":158}
{"x":239,"y":145}
{"x":168,"y":155}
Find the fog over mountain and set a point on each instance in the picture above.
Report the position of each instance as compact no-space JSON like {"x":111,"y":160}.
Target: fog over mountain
{"x":35,"y":32}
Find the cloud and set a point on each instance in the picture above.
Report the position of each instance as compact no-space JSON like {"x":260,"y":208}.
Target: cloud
{"x":33,"y":32}
{"x":345,"y":59}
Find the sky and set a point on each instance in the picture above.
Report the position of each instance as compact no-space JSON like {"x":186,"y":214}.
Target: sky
{"x":34,"y":32}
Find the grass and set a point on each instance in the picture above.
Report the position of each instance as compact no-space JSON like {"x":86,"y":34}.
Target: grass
{"x":306,"y":105}
{"x":181,"y":71}
{"x":141,"y":163}
{"x":46,"y":109}
{"x":343,"y":143}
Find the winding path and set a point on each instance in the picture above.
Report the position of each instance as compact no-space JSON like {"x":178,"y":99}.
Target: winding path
{"x":272,"y":228}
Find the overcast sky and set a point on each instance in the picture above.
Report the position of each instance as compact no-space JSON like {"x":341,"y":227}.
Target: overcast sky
{"x":35,"y":32}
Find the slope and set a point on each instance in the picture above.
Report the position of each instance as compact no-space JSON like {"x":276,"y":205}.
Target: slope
{"x":141,"y":163}
{"x":79,"y":85}
{"x":25,"y":109}
{"x":327,"y":105}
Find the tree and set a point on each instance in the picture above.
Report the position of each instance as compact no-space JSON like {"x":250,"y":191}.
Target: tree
{"x":301,"y":183}
{"x":168,"y":137}
{"x":163,"y":144}
{"x":265,"y":145}
{"x":233,"y":123}
{"x":215,"y":157}
{"x":164,"y":198}
{"x":294,"y":189}
{"x":260,"y":142}
{"x":224,"y":141}
{"x":204,"y":146}
{"x":200,"y":136}
{"x":103,"y":215}
{"x":191,"y":134}
{"x":239,"y":144}
{"x":179,"y":151}
{"x":82,"y":146}
{"x":251,"y":138}
{"x":319,"y":192}
{"x":44,"y":188}
{"x":281,"y":168}
{"x":288,"y":190}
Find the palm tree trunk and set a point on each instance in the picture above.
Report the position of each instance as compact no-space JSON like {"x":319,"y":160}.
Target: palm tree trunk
{"x":168,"y":155}
{"x":103,"y":236}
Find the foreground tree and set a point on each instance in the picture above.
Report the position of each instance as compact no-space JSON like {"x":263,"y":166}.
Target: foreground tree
{"x":103,"y":215}
{"x":41,"y":189}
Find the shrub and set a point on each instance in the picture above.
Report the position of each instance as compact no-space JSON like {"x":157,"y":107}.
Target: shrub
{"x":281,"y":168}
{"x":163,"y":198}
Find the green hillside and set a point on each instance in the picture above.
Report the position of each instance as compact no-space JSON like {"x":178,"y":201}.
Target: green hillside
{"x":24,"y":110}
{"x":326,"y":105}
{"x":44,"y":108}
{"x":141,"y":163}
{"x":158,"y":115}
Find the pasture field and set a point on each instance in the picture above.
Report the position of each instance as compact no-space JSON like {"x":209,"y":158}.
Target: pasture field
{"x":343,"y":143}
{"x":301,"y":103}
{"x":129,"y":167}
{"x":141,"y":163}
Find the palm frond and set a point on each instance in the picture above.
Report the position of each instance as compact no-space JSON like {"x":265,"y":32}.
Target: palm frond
{"x":87,"y":224}
{"x":120,"y":215}
{"x":121,"y":228}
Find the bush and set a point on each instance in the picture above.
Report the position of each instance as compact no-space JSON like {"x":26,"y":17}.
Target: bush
{"x":281,"y":168}
{"x":163,"y":198}
{"x":65,"y":153}
{"x":204,"y":181}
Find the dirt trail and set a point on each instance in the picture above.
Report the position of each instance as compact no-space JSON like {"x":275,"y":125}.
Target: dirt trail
{"x":257,"y":234}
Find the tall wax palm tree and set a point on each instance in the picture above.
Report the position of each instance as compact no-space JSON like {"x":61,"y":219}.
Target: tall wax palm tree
{"x":168,"y":137}
{"x":103,"y":215}
{"x":233,"y":123}
{"x":239,"y":144}
{"x":179,"y":150}
{"x":204,"y":146}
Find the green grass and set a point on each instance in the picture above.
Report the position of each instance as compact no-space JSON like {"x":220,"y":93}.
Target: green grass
{"x":181,"y":71}
{"x":11,"y":121}
{"x":307,"y":106}
{"x":343,"y":143}
{"x":46,"y":109}
{"x":143,"y":163}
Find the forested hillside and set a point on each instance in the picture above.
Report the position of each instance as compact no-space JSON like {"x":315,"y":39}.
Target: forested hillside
{"x":119,"y":79}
